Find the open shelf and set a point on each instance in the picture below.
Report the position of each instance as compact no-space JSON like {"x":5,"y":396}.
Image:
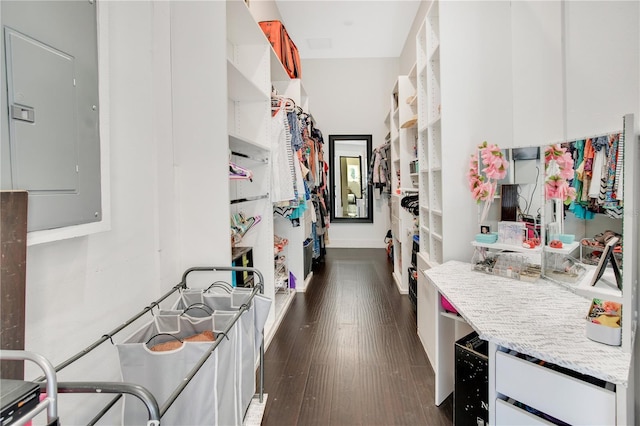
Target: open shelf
{"x":241,"y":87}
{"x":454,"y":317}
{"x":249,"y":147}
{"x":507,"y":247}
{"x":566,"y":248}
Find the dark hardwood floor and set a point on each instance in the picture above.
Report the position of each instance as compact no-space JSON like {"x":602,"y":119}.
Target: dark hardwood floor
{"x":347,"y":352}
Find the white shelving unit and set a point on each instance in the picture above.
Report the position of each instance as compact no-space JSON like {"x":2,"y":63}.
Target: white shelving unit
{"x":249,"y":128}
{"x":293,"y":89}
{"x":402,"y":121}
{"x":253,"y":69}
{"x":430,"y":136}
{"x":452,"y":121}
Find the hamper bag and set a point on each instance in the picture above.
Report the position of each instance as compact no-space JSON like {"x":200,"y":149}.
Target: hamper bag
{"x":214,"y":298}
{"x":248,"y":335}
{"x":210,"y":397}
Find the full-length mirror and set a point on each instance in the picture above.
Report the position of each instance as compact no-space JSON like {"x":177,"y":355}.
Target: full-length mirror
{"x":351,"y":195}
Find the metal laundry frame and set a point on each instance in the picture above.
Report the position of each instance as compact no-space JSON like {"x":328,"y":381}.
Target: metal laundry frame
{"x":155,"y":411}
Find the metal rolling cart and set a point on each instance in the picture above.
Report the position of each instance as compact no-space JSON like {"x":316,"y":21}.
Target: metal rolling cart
{"x":53,"y":388}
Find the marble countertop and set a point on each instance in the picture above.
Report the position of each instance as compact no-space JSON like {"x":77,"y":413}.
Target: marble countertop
{"x":540,"y":319}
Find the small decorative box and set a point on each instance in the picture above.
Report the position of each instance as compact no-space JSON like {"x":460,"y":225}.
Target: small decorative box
{"x":565,"y":238}
{"x":511,"y":233}
{"x":487,"y":238}
{"x":603,"y":322}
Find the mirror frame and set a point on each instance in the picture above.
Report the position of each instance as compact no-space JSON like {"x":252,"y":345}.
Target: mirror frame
{"x":365,"y":186}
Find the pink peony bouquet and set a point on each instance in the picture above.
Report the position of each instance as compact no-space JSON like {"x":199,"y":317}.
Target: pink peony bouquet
{"x":494,"y":167}
{"x":558,"y":167}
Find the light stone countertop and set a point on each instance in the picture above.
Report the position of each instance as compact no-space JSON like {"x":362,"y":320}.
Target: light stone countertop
{"x":540,"y":319}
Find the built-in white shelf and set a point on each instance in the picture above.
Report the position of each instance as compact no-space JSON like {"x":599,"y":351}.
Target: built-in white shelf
{"x":566,"y":248}
{"x":435,"y":121}
{"x":241,"y":87}
{"x":507,"y":247}
{"x":249,"y":147}
{"x":241,"y":26}
{"x":452,"y":316}
{"x":435,"y":53}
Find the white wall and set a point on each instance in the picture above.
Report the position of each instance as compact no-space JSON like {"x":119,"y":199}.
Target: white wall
{"x":601,"y":69}
{"x":81,"y":288}
{"x":636,"y":364}
{"x":477,"y":104}
{"x":589,"y":80}
{"x":351,"y":96}
{"x":536,"y":31}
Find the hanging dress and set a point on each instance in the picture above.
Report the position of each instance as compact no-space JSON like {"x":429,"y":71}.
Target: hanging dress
{"x":282,"y":178}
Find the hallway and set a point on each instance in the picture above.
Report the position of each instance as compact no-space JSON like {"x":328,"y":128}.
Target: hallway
{"x":347,"y":352}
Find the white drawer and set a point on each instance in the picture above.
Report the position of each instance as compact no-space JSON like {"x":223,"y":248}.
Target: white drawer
{"x":558,"y":395}
{"x":509,"y":414}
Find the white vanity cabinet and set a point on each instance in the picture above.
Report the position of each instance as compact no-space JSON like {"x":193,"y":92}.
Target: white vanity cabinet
{"x":547,"y":391}
{"x":546,"y":322}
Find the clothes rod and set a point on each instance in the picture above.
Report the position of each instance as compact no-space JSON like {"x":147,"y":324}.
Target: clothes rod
{"x":244,"y":200}
{"x":584,"y":138}
{"x":239,"y":154}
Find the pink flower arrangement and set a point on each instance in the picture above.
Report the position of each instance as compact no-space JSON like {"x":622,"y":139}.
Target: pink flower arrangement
{"x":558,"y":165}
{"x":483,"y":187}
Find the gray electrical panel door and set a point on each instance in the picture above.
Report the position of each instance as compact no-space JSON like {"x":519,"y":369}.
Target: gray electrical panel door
{"x":50,"y":136}
{"x":43,"y":114}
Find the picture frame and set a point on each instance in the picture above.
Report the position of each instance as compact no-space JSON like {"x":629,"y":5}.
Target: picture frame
{"x":606,"y":257}
{"x":485,"y":229}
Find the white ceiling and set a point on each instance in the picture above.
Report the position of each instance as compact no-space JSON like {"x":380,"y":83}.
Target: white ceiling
{"x":348,"y":28}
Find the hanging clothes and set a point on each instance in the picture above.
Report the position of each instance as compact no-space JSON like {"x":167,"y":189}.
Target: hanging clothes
{"x":578,"y":206}
{"x":589,"y":155}
{"x":599,"y":164}
{"x":619,"y":185}
{"x":282,"y":175}
{"x":294,"y":128}
{"x":612,"y":206}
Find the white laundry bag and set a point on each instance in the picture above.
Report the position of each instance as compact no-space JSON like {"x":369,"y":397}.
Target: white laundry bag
{"x":249,"y":333}
{"x":224,"y":297}
{"x":210,"y":398}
